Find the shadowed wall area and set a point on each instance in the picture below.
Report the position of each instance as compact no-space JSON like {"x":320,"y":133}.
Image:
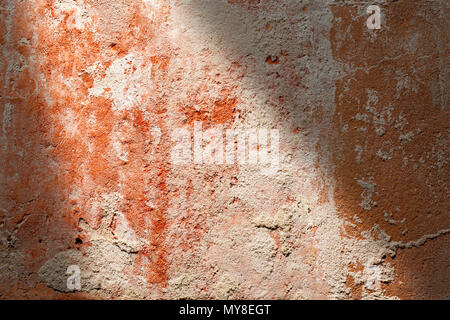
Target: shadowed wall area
{"x":94,"y":93}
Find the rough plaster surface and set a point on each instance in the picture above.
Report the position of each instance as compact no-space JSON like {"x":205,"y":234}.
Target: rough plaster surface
{"x":92,"y":90}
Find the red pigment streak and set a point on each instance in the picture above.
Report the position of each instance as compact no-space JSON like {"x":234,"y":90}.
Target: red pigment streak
{"x":139,"y":121}
{"x":224,"y":110}
{"x":143,"y":217}
{"x":158,"y":228}
{"x":217,"y":112}
{"x":162,"y":62}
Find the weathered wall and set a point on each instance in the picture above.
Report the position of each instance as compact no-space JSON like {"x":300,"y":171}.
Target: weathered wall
{"x":93,"y":90}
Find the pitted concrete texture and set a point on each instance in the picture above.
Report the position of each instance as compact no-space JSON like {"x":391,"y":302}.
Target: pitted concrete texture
{"x":92,"y":92}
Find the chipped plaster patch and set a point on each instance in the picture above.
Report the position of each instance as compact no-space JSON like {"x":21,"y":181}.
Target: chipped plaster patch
{"x":366,"y":195}
{"x":7,"y":118}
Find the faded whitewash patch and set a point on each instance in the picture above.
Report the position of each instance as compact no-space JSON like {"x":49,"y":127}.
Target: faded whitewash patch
{"x":125,"y":82}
